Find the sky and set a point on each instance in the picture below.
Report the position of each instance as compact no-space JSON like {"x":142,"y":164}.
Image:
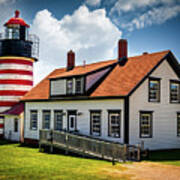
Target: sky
{"x":92,"y":28}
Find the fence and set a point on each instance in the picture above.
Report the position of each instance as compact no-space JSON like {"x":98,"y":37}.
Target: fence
{"x":87,"y":146}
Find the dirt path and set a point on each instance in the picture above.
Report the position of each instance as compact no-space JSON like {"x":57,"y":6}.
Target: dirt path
{"x":145,"y":171}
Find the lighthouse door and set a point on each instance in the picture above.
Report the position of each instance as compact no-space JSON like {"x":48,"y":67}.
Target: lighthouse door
{"x":1,"y":126}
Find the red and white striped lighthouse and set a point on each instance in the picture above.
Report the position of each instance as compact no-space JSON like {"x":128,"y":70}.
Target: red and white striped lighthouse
{"x":18,"y":52}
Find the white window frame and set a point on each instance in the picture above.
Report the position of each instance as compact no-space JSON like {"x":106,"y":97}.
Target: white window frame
{"x":154,"y":91}
{"x":58,"y":113}
{"x":94,"y":125}
{"x":81,"y":85}
{"x":177,"y":93}
{"x":68,"y":89}
{"x":116,"y":125}
{"x":46,"y":122}
{"x":33,"y":119}
{"x":148,"y":125}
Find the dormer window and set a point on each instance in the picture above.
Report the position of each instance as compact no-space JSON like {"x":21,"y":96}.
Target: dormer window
{"x":78,"y":85}
{"x":174,"y":91}
{"x":69,"y":86}
{"x":154,"y":90}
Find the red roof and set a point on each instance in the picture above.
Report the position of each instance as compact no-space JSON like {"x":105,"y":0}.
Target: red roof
{"x":16,"y":20}
{"x":15,"y":110}
{"x":120,"y":82}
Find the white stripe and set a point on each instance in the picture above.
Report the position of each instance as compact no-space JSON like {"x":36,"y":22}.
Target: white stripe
{"x":4,"y":108}
{"x":1,"y":130}
{"x":10,"y":98}
{"x":15,"y":76}
{"x":16,"y":66}
{"x":15,"y":87}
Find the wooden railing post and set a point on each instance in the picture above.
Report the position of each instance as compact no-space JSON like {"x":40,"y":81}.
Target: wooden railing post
{"x":66,"y":140}
{"x":139,"y":152}
{"x":125,"y":154}
{"x":51,"y":140}
{"x":40,"y":150}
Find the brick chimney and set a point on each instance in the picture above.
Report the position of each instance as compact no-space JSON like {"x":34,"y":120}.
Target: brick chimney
{"x":122,"y":51}
{"x":70,"y":60}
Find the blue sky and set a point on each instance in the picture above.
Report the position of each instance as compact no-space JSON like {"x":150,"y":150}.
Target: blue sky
{"x":92,"y":28}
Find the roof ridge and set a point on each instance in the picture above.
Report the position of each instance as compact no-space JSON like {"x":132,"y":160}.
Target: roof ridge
{"x":153,"y":53}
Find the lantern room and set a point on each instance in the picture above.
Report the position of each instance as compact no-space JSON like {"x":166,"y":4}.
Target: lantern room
{"x":16,"y":41}
{"x":16,"y":28}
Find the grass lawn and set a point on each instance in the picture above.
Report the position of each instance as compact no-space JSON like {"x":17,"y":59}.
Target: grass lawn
{"x":171,"y":157}
{"x":18,"y":162}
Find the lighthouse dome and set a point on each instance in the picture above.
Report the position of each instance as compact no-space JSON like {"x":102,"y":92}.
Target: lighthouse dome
{"x":16,"y":20}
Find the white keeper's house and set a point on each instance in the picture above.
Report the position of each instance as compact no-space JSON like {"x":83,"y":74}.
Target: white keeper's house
{"x":126,"y":100}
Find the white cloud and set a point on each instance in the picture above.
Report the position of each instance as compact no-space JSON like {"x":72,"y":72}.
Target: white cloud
{"x":7,"y":1}
{"x":138,"y":14}
{"x":7,"y":10}
{"x":131,"y":5}
{"x":91,"y":34}
{"x":93,"y":2}
{"x":154,"y":16}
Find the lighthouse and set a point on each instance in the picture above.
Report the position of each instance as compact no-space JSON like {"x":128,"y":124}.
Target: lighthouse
{"x":18,"y":52}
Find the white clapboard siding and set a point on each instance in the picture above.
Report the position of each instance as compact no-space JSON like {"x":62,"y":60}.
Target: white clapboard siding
{"x":58,"y":87}
{"x":83,"y":121}
{"x":164,"y":113}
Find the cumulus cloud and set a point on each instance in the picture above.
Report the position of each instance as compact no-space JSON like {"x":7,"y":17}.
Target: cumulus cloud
{"x":91,"y":34}
{"x":93,"y":2}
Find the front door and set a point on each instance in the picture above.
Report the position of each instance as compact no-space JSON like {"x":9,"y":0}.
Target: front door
{"x":72,"y":122}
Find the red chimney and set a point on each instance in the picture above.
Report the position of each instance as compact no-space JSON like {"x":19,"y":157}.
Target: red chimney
{"x":70,"y":60}
{"x":122,"y":49}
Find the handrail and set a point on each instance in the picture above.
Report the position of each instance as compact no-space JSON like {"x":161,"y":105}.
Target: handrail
{"x":87,"y":146}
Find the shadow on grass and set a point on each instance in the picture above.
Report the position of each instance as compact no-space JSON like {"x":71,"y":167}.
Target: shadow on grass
{"x":6,"y":142}
{"x":168,"y":155}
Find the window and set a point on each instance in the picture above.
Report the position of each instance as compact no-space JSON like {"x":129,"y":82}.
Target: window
{"x":69,"y":86}
{"x":78,"y":85}
{"x":46,"y":119}
{"x":154,"y":90}
{"x":12,"y":33}
{"x":16,"y":125}
{"x":58,"y":120}
{"x":114,"y":123}
{"x":174,"y":91}
{"x":33,"y":120}
{"x":145,"y":124}
{"x":95,"y":123}
{"x":178,"y":124}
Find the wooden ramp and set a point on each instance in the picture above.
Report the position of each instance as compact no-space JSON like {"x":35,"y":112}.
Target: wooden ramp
{"x":89,"y":147}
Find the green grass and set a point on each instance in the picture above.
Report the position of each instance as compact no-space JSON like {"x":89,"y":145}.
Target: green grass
{"x":171,"y":157}
{"x":18,"y":162}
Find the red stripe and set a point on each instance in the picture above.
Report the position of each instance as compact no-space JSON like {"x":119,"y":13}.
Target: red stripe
{"x":1,"y":125}
{"x":12,"y":93}
{"x":15,"y":61}
{"x":7,"y":103}
{"x":12,"y":71}
{"x":16,"y":81}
